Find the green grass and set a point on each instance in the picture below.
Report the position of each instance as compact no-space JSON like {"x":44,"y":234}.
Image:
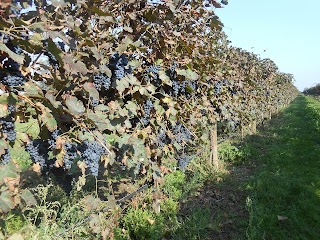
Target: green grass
{"x":287,"y":178}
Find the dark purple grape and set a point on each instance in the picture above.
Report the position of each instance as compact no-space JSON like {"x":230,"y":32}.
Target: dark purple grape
{"x":183,"y":161}
{"x":181,"y":133}
{"x":161,"y":138}
{"x":7,"y":127}
{"x":70,"y":154}
{"x":5,"y":158}
{"x":101,"y":81}
{"x":38,"y":151}
{"x":91,"y":153}
{"x":53,"y":138}
{"x":147,"y":108}
{"x":13,"y":80}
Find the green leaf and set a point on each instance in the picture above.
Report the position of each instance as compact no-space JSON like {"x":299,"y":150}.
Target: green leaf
{"x":188,"y":74}
{"x":99,"y":11}
{"x":112,"y":202}
{"x":79,"y":67}
{"x":28,"y":197}
{"x":32,"y":90}
{"x":16,"y":236}
{"x":6,"y":202}
{"x":91,"y":202}
{"x":58,"y":3}
{"x":18,"y":58}
{"x":99,"y":119}
{"x":75,"y":106}
{"x":122,"y":84}
{"x":124,"y":45}
{"x":3,"y":110}
{"x":31,"y":127}
{"x":9,"y":170}
{"x":50,"y":122}
{"x":165,"y":78}
{"x":3,"y":146}
{"x":52,"y":99}
{"x":132,"y":80}
{"x":123,"y":112}
{"x":132,"y":107}
{"x":52,"y":47}
{"x":4,"y":98}
{"x":93,"y":93}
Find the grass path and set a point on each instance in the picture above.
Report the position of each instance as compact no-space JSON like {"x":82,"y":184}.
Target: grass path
{"x":284,"y":193}
{"x":273,"y":193}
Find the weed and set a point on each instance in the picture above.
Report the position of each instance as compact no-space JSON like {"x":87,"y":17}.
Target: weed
{"x":230,"y":153}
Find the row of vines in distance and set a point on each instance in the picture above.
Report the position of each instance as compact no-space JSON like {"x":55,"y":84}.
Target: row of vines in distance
{"x":90,"y":85}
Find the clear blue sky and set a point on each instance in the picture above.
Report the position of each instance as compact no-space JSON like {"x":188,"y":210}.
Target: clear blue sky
{"x":289,"y":31}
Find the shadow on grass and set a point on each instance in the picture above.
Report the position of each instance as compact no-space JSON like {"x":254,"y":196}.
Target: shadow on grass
{"x":273,"y":194}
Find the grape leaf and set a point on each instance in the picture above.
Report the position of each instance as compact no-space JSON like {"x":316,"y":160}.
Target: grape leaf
{"x":9,"y":170}
{"x":18,"y":58}
{"x":31,"y":127}
{"x":50,"y":122}
{"x":122,"y":84}
{"x":6,"y":202}
{"x":124,"y":45}
{"x":3,"y":110}
{"x":93,"y":93}
{"x":99,"y":119}
{"x":51,"y":98}
{"x":3,"y":146}
{"x":75,"y":106}
{"x":189,"y":74}
{"x":28,"y":197}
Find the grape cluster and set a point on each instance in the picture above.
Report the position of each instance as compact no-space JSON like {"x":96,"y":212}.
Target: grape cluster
{"x":7,"y":127}
{"x":70,"y":153}
{"x":226,"y":84}
{"x":175,"y":87}
{"x":13,"y":80}
{"x":217,"y":88}
{"x":181,"y":133}
{"x":91,"y":153}
{"x":101,"y":81}
{"x":11,"y":109}
{"x":53,"y":138}
{"x":152,"y":75}
{"x":161,"y":138}
{"x":183,"y":161}
{"x":38,"y":151}
{"x":5,"y":158}
{"x":172,"y":69}
{"x":10,"y":65}
{"x":147,"y":108}
{"x":119,"y":66}
{"x":153,"y":69}
{"x":180,"y":88}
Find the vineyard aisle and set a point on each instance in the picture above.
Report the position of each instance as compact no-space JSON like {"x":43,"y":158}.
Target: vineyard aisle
{"x":274,"y":193}
{"x":285,"y":191}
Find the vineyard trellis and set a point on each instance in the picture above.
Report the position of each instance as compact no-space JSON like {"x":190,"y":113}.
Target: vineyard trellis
{"x":92,"y":86}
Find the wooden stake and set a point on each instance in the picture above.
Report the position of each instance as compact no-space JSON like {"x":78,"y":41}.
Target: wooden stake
{"x":254,"y":127}
{"x":214,"y":146}
{"x":242,"y":131}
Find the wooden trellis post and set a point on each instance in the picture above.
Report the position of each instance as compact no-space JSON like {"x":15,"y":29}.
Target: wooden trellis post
{"x":214,"y":161}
